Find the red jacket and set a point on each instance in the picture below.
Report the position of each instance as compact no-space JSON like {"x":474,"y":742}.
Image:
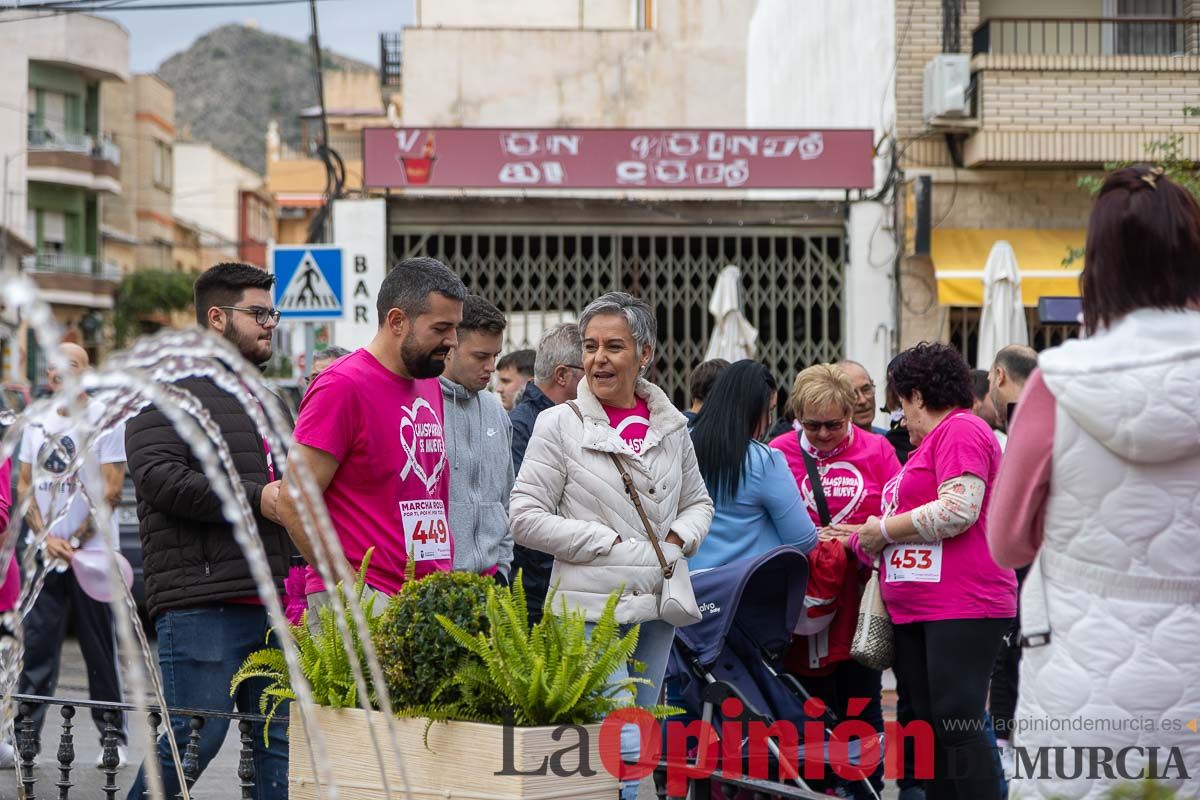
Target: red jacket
{"x":825,"y":631}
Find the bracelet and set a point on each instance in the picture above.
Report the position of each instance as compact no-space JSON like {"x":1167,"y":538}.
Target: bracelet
{"x":883,"y":531}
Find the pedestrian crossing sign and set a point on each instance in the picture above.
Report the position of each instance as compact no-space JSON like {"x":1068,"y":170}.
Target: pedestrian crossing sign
{"x":308,"y":282}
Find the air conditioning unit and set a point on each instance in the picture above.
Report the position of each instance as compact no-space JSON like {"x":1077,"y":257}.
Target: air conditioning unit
{"x":948,"y":86}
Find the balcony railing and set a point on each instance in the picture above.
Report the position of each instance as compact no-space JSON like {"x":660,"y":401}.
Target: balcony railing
{"x":1095,"y":36}
{"x":390,"y":60}
{"x":74,"y":142}
{"x":68,"y":141}
{"x":346,"y":145}
{"x":27,"y":745}
{"x":108,"y":150}
{"x":70,"y":264}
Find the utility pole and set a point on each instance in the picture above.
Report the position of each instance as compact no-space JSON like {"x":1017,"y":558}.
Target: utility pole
{"x":325,"y":233}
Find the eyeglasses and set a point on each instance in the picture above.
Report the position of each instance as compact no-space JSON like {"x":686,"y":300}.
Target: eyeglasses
{"x":261,"y":315}
{"x":866,"y":390}
{"x":815,"y":425}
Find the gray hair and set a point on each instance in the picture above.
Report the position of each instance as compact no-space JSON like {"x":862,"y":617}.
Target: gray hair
{"x":330,"y":354}
{"x":638,"y":316}
{"x":561,"y":346}
{"x":408,"y":286}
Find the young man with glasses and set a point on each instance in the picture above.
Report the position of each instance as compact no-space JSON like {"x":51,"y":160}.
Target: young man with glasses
{"x":199,"y":589}
{"x":557,"y":370}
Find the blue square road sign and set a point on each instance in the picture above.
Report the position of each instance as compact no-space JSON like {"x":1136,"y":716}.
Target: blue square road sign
{"x":308,"y":282}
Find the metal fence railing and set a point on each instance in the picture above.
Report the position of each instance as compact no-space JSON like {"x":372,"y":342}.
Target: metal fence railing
{"x":1083,"y":36}
{"x":27,"y":744}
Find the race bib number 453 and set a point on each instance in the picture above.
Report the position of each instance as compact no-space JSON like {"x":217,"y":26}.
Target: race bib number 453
{"x":426,"y":534}
{"x":921,"y":563}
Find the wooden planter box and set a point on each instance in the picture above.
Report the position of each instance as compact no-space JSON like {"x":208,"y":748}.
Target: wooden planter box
{"x":461,"y":761}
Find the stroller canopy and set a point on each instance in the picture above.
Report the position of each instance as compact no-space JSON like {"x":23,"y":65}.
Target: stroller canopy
{"x":763,"y":596}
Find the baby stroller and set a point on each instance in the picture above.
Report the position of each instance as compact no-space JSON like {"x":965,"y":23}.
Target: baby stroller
{"x":750,"y":608}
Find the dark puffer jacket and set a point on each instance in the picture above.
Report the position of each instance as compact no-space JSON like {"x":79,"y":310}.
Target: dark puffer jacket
{"x":189,"y":555}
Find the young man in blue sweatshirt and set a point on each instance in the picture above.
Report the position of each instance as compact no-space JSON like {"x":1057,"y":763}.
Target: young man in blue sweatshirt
{"x":478,"y":445}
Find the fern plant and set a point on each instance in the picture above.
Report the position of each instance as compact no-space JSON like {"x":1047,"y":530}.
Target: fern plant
{"x":323,"y":659}
{"x":551,"y":674}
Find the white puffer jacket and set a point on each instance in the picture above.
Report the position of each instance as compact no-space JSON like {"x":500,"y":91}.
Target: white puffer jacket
{"x":569,"y":501}
{"x":1120,"y":562}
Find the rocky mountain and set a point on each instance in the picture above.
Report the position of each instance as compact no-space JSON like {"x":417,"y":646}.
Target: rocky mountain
{"x":234,"y":79}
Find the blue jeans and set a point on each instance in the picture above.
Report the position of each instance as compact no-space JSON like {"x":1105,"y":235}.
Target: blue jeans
{"x":653,"y":650}
{"x":199,"y":649}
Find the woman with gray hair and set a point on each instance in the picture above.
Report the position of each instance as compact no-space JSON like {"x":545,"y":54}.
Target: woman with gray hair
{"x":569,"y":499}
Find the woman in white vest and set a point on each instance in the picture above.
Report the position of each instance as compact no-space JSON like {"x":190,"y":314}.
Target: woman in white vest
{"x":1100,"y":490}
{"x":569,"y":499}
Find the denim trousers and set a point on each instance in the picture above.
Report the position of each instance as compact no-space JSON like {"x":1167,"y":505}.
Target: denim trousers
{"x":653,"y":650}
{"x":199,"y":650}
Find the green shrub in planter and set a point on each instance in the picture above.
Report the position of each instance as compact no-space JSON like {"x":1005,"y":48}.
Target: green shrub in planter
{"x":418,"y":654}
{"x":552,"y":673}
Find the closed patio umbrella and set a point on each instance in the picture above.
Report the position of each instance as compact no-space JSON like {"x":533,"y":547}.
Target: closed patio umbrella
{"x":1003,"y":319}
{"x":733,"y":337}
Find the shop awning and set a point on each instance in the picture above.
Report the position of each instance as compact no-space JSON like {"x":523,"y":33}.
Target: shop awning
{"x":959,"y":256}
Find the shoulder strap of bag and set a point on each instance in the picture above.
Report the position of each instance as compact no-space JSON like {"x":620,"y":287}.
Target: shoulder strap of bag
{"x":631,"y":490}
{"x":814,"y":477}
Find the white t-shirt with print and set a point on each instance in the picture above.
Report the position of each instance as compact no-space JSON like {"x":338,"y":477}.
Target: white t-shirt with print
{"x":53,"y":492}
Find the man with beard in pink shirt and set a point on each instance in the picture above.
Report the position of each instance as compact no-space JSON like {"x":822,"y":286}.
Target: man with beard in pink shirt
{"x":370,"y":431}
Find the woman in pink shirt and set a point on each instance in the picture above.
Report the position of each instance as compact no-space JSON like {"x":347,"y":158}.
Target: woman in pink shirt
{"x":852,"y":466}
{"x":950,"y":603}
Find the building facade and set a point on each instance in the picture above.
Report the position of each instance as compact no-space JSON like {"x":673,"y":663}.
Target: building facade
{"x":296,"y":176}
{"x":1057,"y":89}
{"x":138,"y":229}
{"x":674,"y":65}
{"x":226,"y":203}
{"x":60,"y":149}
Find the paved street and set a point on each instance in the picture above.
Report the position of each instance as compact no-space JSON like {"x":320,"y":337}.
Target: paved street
{"x":219,"y":781}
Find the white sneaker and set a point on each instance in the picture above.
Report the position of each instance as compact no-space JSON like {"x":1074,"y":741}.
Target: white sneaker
{"x":122,"y":758}
{"x":8,"y":756}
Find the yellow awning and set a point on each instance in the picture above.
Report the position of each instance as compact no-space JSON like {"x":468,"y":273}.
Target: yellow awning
{"x":960,"y":254}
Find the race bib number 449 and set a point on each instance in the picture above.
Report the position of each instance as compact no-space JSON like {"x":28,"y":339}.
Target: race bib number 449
{"x":426,"y":534}
{"x":921,"y":563}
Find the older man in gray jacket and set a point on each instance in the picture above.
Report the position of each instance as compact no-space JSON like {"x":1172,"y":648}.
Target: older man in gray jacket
{"x":478,"y":445}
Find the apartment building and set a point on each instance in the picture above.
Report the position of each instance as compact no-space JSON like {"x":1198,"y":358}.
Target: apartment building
{"x":62,"y":161}
{"x":137,"y":226}
{"x":225,"y":202}
{"x":1053,"y":91}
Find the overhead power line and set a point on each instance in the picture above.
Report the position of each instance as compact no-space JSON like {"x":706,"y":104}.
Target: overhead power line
{"x":91,"y":6}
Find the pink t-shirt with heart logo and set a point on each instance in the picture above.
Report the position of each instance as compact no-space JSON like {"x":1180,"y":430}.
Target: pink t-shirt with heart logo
{"x":631,"y":424}
{"x":391,"y":490}
{"x":853,"y":475}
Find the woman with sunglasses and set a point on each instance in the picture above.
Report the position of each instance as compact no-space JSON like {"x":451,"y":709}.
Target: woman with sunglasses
{"x":851,"y":465}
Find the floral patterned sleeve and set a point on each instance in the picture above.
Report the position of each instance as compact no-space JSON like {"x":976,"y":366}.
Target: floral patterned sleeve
{"x":957,"y":508}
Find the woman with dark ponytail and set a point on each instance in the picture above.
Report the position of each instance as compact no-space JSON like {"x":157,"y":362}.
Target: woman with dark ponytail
{"x":757,"y":503}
